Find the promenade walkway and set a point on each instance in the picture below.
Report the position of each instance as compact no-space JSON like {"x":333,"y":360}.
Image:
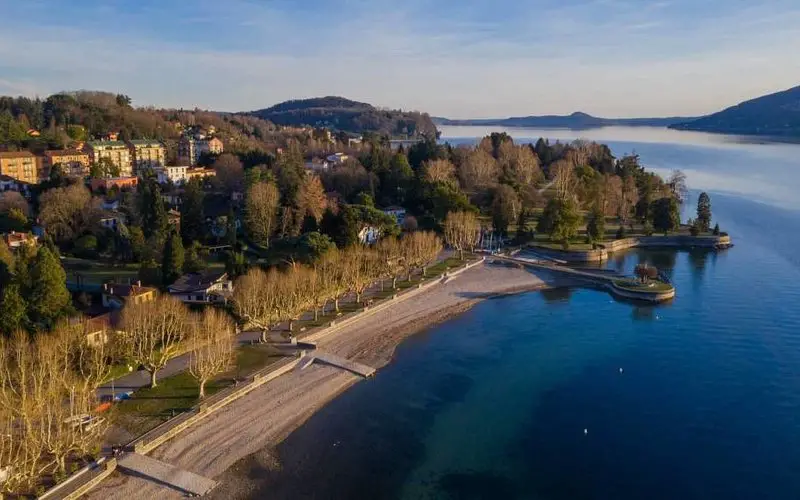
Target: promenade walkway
{"x":183,"y":480}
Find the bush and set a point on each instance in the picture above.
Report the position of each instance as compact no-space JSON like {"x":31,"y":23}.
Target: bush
{"x":648,"y":229}
{"x":694,"y":227}
{"x":620,"y":232}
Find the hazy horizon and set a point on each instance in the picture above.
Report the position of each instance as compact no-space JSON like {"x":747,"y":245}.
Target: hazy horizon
{"x":607,"y":58}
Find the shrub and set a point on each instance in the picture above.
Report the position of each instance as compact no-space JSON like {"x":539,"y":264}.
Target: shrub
{"x":620,"y":232}
{"x":86,"y":246}
{"x":648,"y":229}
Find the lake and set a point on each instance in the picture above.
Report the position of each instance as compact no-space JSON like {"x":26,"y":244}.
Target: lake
{"x":570,"y":394}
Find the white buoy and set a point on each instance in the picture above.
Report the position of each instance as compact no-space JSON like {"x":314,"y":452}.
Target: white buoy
{"x":585,"y":432}
{"x":620,"y":370}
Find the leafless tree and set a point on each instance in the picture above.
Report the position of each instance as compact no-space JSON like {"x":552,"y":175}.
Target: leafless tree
{"x":461,"y":231}
{"x":152,"y":332}
{"x":440,"y":171}
{"x":261,"y":211}
{"x":564,"y":179}
{"x":479,"y":171}
{"x":212,"y":341}
{"x":67,"y":212}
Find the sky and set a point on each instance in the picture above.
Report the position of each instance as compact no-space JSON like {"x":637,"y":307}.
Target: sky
{"x":458,"y":59}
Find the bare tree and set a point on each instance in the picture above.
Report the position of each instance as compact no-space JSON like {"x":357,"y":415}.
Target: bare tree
{"x":255,"y":297}
{"x":212,"y":346}
{"x":440,"y":171}
{"x":390,"y":258}
{"x":153,"y":332}
{"x":461,"y":231}
{"x":67,"y":212}
{"x":677,"y":185}
{"x":12,"y":199}
{"x":261,"y":211}
{"x":360,"y":266}
{"x":230,"y":172}
{"x":520,"y":165}
{"x":311,"y":198}
{"x":479,"y":171}
{"x":564,"y":179}
{"x":426,"y":248}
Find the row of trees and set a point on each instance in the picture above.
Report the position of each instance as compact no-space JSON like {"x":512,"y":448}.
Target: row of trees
{"x":263,"y":299}
{"x":48,"y":403}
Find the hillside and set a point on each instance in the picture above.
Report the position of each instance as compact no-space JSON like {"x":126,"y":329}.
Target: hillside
{"x":68,"y":117}
{"x":576,"y":121}
{"x":343,"y":114}
{"x":775,"y":114}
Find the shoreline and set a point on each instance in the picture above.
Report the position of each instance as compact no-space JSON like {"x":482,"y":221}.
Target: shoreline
{"x":250,"y":429}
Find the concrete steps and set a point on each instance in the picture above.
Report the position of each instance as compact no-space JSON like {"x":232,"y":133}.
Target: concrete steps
{"x":169,"y":475}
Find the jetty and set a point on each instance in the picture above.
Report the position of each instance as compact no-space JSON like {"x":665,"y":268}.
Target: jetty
{"x":338,"y":362}
{"x":166,"y":474}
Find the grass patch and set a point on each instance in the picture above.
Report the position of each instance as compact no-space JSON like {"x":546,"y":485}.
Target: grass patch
{"x":147,"y":408}
{"x":251,"y":358}
{"x":653,"y":286}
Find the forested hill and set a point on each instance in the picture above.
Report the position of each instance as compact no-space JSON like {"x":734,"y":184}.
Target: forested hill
{"x":577,"y":121}
{"x":775,"y":114}
{"x":68,"y":117}
{"x":343,"y":114}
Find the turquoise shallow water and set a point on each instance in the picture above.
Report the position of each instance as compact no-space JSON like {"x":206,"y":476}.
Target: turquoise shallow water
{"x":522,"y":397}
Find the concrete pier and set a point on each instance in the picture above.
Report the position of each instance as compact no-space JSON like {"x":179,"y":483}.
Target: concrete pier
{"x":339,"y":362}
{"x":169,"y":475}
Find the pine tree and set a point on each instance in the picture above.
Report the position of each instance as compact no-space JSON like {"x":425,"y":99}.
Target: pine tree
{"x":48,"y":298}
{"x":151,"y":207}
{"x":596,"y":227}
{"x":172,"y":263}
{"x":192,"y":218}
{"x":12,"y":309}
{"x":704,"y":211}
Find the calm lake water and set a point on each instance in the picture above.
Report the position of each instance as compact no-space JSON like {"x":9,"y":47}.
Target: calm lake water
{"x":494,"y":403}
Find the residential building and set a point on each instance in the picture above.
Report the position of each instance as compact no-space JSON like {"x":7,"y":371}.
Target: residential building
{"x":116,"y":152}
{"x":23,"y":166}
{"x":15,"y":240}
{"x":399,"y":213}
{"x":74,"y":163}
{"x":202,"y":173}
{"x":191,"y":148}
{"x":119,"y":182}
{"x":203,"y":288}
{"x":173,"y":173}
{"x":147,"y":155}
{"x":11,"y":184}
{"x":116,"y":295}
{"x":337,"y":159}
{"x":112,"y":220}
{"x":97,"y":328}
{"x":317,"y":165}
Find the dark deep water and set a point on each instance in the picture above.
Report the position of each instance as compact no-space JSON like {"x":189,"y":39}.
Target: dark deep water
{"x":494,"y":403}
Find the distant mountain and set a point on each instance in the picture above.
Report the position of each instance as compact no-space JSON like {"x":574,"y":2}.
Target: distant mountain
{"x":350,"y":116}
{"x":577,"y":121}
{"x":774,"y":114}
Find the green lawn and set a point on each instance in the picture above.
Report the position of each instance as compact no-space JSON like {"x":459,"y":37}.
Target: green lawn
{"x":147,"y":408}
{"x":97,"y":272}
{"x":653,"y":286}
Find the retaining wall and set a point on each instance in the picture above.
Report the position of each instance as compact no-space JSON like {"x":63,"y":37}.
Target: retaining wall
{"x":601,"y":254}
{"x":82,"y":481}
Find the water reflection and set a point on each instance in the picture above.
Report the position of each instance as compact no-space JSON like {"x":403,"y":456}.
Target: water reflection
{"x":557,"y":295}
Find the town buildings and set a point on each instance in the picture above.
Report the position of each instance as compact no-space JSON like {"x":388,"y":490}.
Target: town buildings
{"x":116,"y":152}
{"x":23,"y":166}
{"x":147,"y":155}
{"x":190,"y":148}
{"x":120,"y":183}
{"x":74,"y":163}
{"x":202,"y":288}
{"x":175,"y":174}
{"x":116,"y":295}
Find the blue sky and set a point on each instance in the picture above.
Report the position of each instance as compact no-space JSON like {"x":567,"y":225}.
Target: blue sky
{"x":460,"y":59}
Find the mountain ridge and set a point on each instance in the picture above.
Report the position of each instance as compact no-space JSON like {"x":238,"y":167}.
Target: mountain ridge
{"x":577,"y":120}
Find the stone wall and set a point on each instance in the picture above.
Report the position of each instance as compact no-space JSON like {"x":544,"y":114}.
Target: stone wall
{"x":601,"y":254}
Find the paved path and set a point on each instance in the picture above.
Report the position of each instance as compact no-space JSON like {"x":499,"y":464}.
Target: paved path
{"x":183,"y":480}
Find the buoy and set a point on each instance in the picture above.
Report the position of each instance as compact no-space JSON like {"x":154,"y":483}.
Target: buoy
{"x":585,"y":432}
{"x":620,"y":370}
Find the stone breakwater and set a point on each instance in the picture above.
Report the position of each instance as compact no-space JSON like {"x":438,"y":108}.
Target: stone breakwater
{"x":602,"y":253}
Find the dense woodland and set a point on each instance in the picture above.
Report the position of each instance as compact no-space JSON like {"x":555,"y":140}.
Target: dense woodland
{"x":350,"y":116}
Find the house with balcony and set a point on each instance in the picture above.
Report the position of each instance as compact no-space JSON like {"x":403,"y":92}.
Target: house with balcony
{"x":207,"y":287}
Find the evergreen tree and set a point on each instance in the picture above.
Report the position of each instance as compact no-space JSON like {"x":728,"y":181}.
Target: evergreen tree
{"x":152,"y":210}
{"x":230,"y":234}
{"x":192,"y":218}
{"x":704,"y":212}
{"x":12,"y":309}
{"x":173,"y":258}
{"x":666,"y":214}
{"x":596,"y":227}
{"x":48,"y":298}
{"x":716,"y":230}
{"x":566,"y":223}
{"x":195,"y":261}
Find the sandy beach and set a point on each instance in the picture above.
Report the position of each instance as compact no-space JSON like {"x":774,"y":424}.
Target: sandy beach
{"x":262,"y":419}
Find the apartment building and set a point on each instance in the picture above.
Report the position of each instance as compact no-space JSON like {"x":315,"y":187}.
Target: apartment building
{"x":191,"y":148}
{"x":147,"y":155}
{"x":116,"y":152}
{"x":74,"y":163}
{"x":23,"y":166}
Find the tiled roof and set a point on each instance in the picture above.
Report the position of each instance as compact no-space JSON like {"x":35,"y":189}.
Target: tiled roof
{"x":16,"y":154}
{"x":120,"y":290}
{"x":197,"y":281}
